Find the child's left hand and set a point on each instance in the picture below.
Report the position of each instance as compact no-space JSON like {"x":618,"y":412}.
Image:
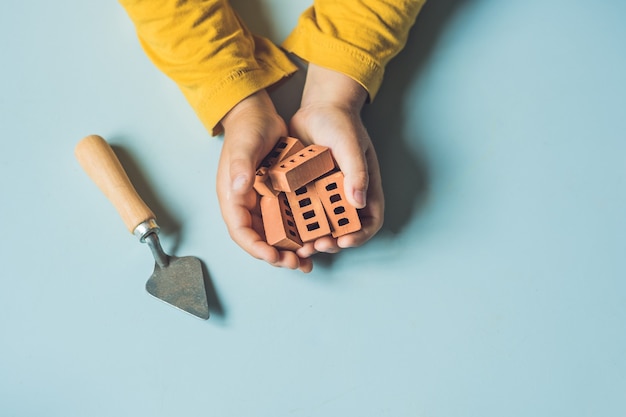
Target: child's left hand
{"x":330,"y":116}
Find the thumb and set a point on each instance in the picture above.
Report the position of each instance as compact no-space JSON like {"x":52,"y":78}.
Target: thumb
{"x":241,"y":174}
{"x":352,"y":162}
{"x":242,"y":157}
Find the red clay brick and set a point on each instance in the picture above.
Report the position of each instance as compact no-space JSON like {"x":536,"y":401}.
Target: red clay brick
{"x":342,"y":216}
{"x":279,"y":224}
{"x":308,"y":213}
{"x":262,"y":183}
{"x":285,"y":147}
{"x":301,"y":168}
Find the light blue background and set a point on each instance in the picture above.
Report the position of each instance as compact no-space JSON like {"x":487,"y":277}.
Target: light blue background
{"x":497,"y":287}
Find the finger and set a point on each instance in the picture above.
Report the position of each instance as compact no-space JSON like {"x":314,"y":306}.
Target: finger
{"x":372,"y":216}
{"x":326,"y":244}
{"x":306,"y":251}
{"x":352,"y":161}
{"x":242,"y":160}
{"x":371,"y":221}
{"x":306,"y":265}
{"x":358,"y":238}
{"x":289,"y":259}
{"x":239,"y":223}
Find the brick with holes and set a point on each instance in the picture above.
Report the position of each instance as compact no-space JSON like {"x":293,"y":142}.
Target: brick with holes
{"x":301,"y":168}
{"x":284,"y":148}
{"x":308,"y":213}
{"x":262,"y":184}
{"x":279,"y":224}
{"x":342,"y":216}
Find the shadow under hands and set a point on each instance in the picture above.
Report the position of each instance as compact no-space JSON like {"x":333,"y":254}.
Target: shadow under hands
{"x":405,"y":174}
{"x":255,"y":15}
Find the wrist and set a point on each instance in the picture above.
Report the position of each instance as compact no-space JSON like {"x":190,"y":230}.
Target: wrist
{"x":259,"y":100}
{"x":328,"y":87}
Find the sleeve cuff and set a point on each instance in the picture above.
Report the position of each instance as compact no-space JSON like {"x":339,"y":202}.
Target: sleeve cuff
{"x":212,"y":101}
{"x":329,"y":52}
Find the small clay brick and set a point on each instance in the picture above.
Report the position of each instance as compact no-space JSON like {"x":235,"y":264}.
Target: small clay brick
{"x":301,"y":168}
{"x":342,"y":216}
{"x":292,"y":146}
{"x":262,"y":183}
{"x":279,"y":224}
{"x":308,"y":213}
{"x":285,"y":147}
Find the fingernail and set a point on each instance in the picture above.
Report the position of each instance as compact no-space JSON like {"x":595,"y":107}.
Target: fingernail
{"x":239,"y":183}
{"x":359,"y":197}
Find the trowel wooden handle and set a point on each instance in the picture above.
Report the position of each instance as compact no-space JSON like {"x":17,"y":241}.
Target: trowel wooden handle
{"x":99,"y":162}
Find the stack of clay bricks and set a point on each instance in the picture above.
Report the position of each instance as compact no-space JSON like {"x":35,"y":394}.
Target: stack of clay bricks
{"x":302,"y":195}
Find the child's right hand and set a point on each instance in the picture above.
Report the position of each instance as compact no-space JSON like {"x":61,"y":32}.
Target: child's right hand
{"x":251,"y":129}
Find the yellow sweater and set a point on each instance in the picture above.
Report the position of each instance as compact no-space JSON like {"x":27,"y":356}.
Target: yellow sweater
{"x":207,"y":50}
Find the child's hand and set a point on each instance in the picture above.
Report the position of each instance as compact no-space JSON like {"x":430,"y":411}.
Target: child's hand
{"x":330,"y":116}
{"x":251,"y":129}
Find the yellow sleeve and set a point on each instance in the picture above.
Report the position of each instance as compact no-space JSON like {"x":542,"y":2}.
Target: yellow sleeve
{"x":206,"y":49}
{"x":355,"y":37}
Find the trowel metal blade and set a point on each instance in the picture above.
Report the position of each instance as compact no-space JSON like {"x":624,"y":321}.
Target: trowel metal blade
{"x":181,"y":284}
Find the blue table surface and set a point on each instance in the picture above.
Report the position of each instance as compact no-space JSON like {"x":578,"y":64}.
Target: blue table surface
{"x":496,"y":288}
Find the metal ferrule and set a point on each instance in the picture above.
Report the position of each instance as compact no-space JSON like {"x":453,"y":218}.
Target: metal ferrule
{"x":145,"y":228}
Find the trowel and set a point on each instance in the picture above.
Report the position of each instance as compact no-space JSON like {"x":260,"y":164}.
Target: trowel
{"x":177,"y":281}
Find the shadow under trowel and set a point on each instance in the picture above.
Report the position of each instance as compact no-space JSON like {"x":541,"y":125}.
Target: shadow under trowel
{"x":169,"y":225}
{"x":216,"y":308}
